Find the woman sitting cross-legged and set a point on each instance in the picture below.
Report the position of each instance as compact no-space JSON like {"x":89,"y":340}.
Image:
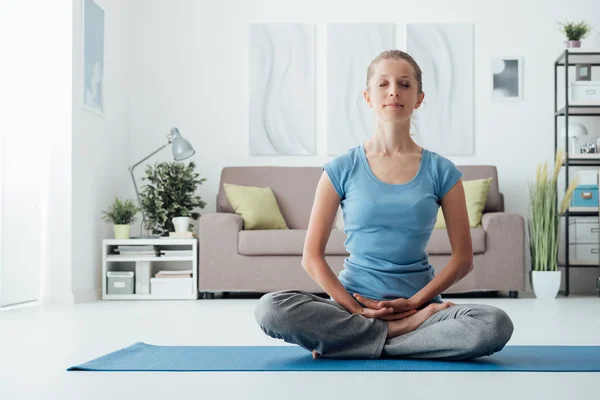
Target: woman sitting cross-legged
{"x":386,"y":301}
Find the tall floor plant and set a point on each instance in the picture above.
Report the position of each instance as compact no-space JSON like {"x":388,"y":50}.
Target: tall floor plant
{"x":545,"y":213}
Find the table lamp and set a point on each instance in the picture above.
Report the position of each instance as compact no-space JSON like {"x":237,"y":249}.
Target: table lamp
{"x":182,"y":149}
{"x":575,"y":131}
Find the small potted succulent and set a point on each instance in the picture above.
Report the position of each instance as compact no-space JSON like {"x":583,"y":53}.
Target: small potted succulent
{"x":575,"y":31}
{"x":121,"y":214}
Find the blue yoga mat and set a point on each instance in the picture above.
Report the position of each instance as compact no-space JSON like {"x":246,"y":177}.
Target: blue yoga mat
{"x":146,"y":357}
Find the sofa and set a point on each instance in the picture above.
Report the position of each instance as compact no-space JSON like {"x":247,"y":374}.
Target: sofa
{"x":232,"y":259}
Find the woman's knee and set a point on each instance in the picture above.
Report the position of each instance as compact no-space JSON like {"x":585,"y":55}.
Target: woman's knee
{"x":499,"y":328}
{"x":270,"y":312}
{"x":502,"y":326}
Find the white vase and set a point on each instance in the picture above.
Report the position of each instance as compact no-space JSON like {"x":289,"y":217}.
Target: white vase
{"x":546,"y":283}
{"x":181,"y":224}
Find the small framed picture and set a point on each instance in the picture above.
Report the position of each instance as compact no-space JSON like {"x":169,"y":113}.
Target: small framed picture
{"x":507,"y":78}
{"x":583,"y":72}
{"x":93,"y":57}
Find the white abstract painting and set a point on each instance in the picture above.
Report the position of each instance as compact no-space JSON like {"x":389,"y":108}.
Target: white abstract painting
{"x":444,"y":123}
{"x":93,"y":57}
{"x":282,"y":89}
{"x":350,"y":49}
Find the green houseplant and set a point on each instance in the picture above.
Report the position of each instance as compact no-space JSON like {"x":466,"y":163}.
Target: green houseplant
{"x":170,"y":193}
{"x":574,"y":32}
{"x":121,"y":214}
{"x":544,"y":219}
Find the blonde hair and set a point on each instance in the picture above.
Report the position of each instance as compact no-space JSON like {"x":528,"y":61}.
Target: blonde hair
{"x":396,"y":55}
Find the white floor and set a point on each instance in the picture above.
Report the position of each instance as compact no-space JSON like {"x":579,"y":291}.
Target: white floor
{"x":38,"y":343}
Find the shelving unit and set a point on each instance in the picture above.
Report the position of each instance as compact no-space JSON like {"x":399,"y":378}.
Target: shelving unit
{"x":570,"y":58}
{"x":112,"y":261}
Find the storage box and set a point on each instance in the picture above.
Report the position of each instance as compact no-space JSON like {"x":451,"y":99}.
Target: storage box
{"x":585,"y":196}
{"x":587,"y":177}
{"x":119,"y":282}
{"x":584,"y":92}
{"x":172,"y":287}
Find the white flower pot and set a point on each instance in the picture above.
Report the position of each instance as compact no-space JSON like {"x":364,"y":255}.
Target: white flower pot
{"x":546,"y":283}
{"x":181,"y":224}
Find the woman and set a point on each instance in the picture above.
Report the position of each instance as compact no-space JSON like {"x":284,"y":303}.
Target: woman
{"x":386,"y":301}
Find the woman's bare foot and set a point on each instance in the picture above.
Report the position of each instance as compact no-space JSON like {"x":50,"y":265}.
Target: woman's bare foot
{"x":315,"y":354}
{"x":409,"y":324}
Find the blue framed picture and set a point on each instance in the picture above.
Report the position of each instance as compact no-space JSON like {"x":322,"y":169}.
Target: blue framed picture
{"x":93,"y":57}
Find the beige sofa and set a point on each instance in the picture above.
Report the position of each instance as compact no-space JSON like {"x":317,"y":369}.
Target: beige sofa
{"x":232,"y":259}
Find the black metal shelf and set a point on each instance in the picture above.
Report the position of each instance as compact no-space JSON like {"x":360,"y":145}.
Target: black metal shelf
{"x":580,"y":110}
{"x":582,"y":162}
{"x":574,"y":57}
{"x":562,"y":265}
{"x":568,"y":58}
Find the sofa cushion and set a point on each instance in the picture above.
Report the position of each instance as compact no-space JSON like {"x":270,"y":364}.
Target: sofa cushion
{"x":476,"y":192}
{"x":257,"y":206}
{"x":440,"y":242}
{"x":285,"y":242}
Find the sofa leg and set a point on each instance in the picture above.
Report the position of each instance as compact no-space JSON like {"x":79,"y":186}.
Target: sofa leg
{"x":209,"y":295}
{"x":513,"y":294}
{"x":225,"y":295}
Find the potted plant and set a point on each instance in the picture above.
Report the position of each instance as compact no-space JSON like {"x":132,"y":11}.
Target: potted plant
{"x":575,"y":31}
{"x":544,"y":221}
{"x":170,"y":193}
{"x":121,"y":214}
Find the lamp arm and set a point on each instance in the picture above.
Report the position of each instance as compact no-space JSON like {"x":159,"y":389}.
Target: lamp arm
{"x":137,"y":193}
{"x":148,"y":156}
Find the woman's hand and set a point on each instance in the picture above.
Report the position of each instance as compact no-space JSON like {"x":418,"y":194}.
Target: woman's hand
{"x":399,"y":305}
{"x":368,"y":312}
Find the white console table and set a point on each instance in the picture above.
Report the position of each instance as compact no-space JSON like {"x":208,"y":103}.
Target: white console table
{"x":113,"y":261}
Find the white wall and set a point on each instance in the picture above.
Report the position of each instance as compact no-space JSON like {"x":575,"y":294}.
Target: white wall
{"x":189,"y":69}
{"x":100,"y":148}
{"x":35,"y":99}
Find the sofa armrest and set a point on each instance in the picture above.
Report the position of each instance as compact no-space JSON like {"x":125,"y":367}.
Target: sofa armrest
{"x":218,"y":249}
{"x":219,"y":231}
{"x":505,"y":251}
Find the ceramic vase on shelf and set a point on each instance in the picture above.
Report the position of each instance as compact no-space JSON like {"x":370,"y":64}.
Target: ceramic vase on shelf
{"x":573,"y":43}
{"x":181,"y":224}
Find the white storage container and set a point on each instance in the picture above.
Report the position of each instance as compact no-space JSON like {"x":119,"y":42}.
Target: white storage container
{"x":584,"y":92}
{"x":119,"y":282}
{"x":586,"y":253}
{"x":587,"y":177}
{"x":583,"y":230}
{"x":172,"y":287}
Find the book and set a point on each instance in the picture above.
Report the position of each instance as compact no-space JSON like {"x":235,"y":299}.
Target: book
{"x":187,"y":235}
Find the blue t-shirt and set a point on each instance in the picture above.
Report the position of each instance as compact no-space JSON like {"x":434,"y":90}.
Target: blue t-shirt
{"x":388,"y":226}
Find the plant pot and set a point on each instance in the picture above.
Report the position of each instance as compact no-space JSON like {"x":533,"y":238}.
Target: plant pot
{"x":546,"y":283}
{"x":573,"y":43}
{"x":121,"y":231}
{"x":181,"y":224}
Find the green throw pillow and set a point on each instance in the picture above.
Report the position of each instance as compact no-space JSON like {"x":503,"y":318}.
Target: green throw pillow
{"x":476,"y":192}
{"x":257,"y":206}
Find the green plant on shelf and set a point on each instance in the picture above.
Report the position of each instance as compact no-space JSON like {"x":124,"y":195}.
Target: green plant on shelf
{"x":170,"y":193}
{"x":575,"y":30}
{"x":120,"y":212}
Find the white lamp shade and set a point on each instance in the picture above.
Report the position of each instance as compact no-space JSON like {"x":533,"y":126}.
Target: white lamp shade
{"x":575,"y":130}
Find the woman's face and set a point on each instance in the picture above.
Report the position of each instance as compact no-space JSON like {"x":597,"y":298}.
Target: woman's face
{"x":393,"y":90}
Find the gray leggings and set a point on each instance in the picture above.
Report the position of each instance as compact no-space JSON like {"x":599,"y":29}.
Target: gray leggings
{"x":459,"y":332}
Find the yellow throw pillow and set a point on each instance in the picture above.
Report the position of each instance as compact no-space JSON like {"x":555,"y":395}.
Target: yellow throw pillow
{"x":476,"y":192}
{"x":257,"y":206}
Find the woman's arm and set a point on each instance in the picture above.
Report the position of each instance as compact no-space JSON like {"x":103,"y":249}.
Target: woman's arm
{"x":320,"y":224}
{"x":454,"y":208}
